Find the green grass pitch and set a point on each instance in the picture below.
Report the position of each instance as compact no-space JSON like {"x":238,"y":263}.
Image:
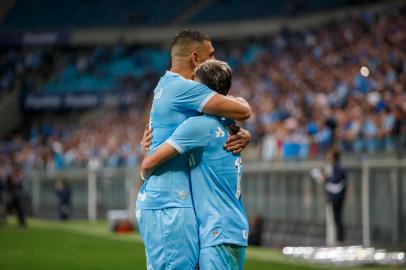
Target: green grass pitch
{"x":81,"y":245}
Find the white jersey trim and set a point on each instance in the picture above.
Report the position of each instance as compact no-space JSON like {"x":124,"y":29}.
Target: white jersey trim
{"x":204,"y":102}
{"x":178,"y":148}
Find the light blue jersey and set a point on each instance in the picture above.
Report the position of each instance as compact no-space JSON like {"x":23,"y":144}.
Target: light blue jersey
{"x":215,"y":178}
{"x":175,"y":100}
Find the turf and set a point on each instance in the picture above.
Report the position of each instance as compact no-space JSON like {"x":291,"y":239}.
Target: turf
{"x":80,"y":245}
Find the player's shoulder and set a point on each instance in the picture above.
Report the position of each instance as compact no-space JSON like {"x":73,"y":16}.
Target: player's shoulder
{"x":198,"y":123}
{"x":190,"y":84}
{"x":214,"y":120}
{"x":219,"y":121}
{"x":209,"y":119}
{"x":199,"y":120}
{"x":185,"y":84}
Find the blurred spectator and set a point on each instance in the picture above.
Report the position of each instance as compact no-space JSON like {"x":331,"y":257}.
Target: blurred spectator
{"x":63,"y":191}
{"x":112,"y":138}
{"x":399,"y":130}
{"x":255,"y":233}
{"x":333,"y":177}
{"x":15,"y":193}
{"x":2,"y":197}
{"x":335,"y":187}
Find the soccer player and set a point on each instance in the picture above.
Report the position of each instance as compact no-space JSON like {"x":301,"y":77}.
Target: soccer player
{"x":164,"y":206}
{"x":215,"y":177}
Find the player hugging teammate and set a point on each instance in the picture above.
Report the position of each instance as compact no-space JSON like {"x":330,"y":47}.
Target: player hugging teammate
{"x":189,"y":210}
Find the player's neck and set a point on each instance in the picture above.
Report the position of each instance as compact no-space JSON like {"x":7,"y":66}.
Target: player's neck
{"x":185,"y":73}
{"x":183,"y":68}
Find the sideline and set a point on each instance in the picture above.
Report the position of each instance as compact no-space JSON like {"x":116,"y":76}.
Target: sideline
{"x":100,"y":229}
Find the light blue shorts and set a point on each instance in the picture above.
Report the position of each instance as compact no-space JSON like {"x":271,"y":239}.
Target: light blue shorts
{"x":222,"y":257}
{"x":171,"y":238}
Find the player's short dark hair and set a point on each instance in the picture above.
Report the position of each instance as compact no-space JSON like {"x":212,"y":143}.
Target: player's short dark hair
{"x":184,"y":40}
{"x":215,"y":74}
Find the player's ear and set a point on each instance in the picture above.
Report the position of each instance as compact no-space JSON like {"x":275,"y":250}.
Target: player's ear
{"x":195,"y":58}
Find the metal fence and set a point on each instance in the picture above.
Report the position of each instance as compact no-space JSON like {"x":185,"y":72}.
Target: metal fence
{"x":293,"y":205}
{"x":93,"y":192}
{"x":282,"y":194}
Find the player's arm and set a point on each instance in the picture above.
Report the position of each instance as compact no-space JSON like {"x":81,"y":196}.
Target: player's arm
{"x":228,"y":106}
{"x":235,"y":108}
{"x":199,"y":97}
{"x":160,"y":156}
{"x":203,"y":99}
{"x":237,"y":141}
{"x":192,"y":133}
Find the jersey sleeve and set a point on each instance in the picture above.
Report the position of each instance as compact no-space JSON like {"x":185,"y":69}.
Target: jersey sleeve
{"x":192,"y":133}
{"x":195,"y":96}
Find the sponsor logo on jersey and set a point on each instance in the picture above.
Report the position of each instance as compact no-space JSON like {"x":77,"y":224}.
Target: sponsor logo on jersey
{"x":219,"y":133}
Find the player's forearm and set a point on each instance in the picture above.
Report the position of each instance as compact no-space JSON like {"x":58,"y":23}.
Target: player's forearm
{"x":246,"y":112}
{"x":160,"y":156}
{"x":241,"y":100}
{"x":229,"y":107}
{"x":236,"y":108}
{"x":148,"y":164}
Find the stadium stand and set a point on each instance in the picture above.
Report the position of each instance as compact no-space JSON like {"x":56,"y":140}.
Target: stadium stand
{"x":308,"y":89}
{"x":99,"y":69}
{"x":28,"y":14}
{"x":259,"y":9}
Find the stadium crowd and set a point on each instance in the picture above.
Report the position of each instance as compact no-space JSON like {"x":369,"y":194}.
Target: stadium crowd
{"x":113,"y":139}
{"x":343,"y":83}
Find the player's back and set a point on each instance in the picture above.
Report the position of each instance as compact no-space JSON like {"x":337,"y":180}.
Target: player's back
{"x":215,"y":178}
{"x":175,"y":100}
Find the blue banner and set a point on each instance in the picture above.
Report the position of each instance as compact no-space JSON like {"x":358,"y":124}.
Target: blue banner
{"x":34,"y":38}
{"x":57,"y":102}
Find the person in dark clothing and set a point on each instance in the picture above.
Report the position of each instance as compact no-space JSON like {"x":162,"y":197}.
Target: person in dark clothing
{"x":63,"y":192}
{"x":334,"y":179}
{"x":2,"y":200}
{"x":399,"y":131}
{"x":335,"y":186}
{"x":15,"y":194}
{"x":255,"y":233}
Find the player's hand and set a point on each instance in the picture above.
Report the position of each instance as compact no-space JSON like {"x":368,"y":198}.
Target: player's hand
{"x":238,"y":142}
{"x":146,"y":139}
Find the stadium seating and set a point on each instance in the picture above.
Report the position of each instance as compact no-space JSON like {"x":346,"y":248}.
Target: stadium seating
{"x":235,"y":10}
{"x":90,"y":73}
{"x":308,"y":90}
{"x":29,"y":14}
